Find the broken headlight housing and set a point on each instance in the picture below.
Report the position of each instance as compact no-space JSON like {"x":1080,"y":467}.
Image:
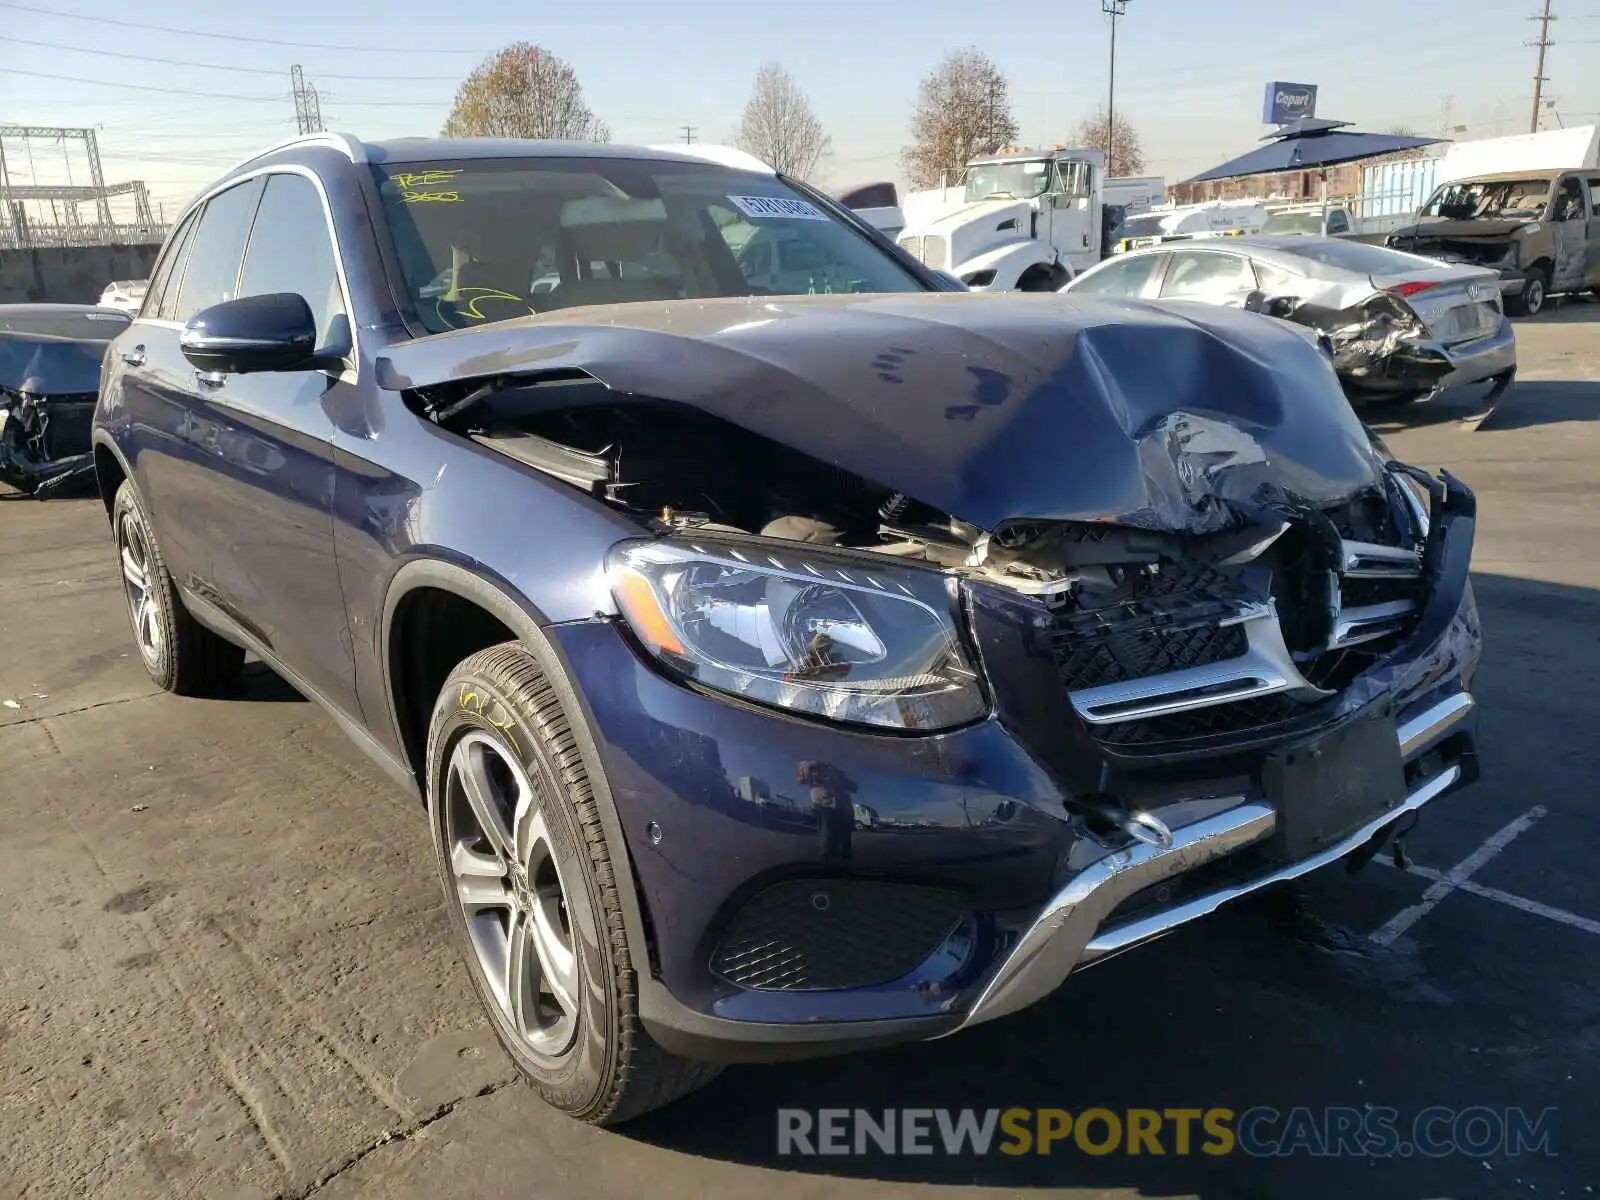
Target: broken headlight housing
{"x":822,"y":634}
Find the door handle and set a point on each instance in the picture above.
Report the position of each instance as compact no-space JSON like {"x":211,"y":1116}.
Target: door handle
{"x":134,"y":357}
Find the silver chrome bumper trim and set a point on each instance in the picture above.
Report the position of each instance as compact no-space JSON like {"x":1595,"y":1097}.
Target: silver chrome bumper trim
{"x":1067,"y":934}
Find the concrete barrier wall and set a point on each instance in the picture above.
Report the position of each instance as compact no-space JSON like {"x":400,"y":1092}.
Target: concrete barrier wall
{"x":70,"y":274}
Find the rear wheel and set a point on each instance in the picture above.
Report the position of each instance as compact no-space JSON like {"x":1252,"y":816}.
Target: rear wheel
{"x":1529,"y":302}
{"x":533,"y":897}
{"x":181,"y":655}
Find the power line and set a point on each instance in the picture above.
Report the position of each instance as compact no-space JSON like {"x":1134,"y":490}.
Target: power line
{"x":688,"y":132}
{"x":278,"y":98}
{"x":232,"y":70}
{"x":232,"y":37}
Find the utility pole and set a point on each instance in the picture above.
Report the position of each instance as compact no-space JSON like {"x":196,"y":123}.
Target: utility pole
{"x":1114,"y":9}
{"x":688,"y":133}
{"x":1539,"y":80}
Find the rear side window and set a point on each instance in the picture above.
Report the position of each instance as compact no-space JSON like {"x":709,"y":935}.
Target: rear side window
{"x":1338,"y":222}
{"x":291,"y":251}
{"x":1196,"y":275}
{"x":1594,"y":195}
{"x":168,"y":271}
{"x":218,"y":246}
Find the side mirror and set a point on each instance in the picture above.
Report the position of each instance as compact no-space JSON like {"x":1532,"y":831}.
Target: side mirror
{"x":1281,"y":306}
{"x":275,"y":332}
{"x":1256,"y":302}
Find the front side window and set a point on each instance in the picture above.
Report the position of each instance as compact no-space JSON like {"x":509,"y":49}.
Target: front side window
{"x":212,"y":274}
{"x":1126,"y":277}
{"x":1008,"y":181}
{"x":474,"y":237}
{"x":1196,"y":275}
{"x":1569,"y":202}
{"x":167,"y":270}
{"x":290,"y":250}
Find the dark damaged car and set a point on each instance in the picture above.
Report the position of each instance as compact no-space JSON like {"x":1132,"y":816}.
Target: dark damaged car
{"x":50,"y":357}
{"x":782,"y":675}
{"x":1539,"y":231}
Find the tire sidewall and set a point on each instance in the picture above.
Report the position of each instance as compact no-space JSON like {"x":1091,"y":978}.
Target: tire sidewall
{"x":578,"y":1079}
{"x":126,"y":509}
{"x":1536,"y":289}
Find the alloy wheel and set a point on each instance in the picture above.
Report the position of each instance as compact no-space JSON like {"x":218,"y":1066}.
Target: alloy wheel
{"x":1533,"y":296}
{"x":134,"y":550}
{"x":509,"y":885}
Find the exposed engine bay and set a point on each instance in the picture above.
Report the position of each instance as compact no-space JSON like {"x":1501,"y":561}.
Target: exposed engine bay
{"x":1303,"y":597}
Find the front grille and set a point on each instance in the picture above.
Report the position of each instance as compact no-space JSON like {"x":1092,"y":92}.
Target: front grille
{"x":828,"y":934}
{"x":1182,"y":655}
{"x":912,"y":246}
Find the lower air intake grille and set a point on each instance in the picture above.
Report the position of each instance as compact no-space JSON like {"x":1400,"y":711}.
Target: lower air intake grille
{"x":827,"y":934}
{"x":1239,"y":717}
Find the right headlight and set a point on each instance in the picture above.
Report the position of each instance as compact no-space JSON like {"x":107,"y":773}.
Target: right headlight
{"x":823,"y":634}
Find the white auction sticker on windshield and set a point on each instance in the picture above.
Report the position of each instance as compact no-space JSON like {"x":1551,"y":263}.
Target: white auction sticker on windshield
{"x":767,"y":207}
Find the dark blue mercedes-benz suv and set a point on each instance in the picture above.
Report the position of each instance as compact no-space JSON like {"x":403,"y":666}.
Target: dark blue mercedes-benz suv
{"x":794,"y":654}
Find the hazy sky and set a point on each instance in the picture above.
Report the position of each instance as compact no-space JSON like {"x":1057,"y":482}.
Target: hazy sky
{"x":1189,"y":73}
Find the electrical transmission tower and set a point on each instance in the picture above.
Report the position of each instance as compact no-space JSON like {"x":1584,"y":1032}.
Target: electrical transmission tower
{"x":64,"y":226}
{"x":307,"y":108}
{"x":688,"y":133}
{"x":1539,"y":79}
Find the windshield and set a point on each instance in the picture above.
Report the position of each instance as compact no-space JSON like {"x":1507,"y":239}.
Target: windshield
{"x":1147,"y":226}
{"x":1007,"y":181}
{"x":1489,"y":199}
{"x":492,"y":239}
{"x":1293,"y":223}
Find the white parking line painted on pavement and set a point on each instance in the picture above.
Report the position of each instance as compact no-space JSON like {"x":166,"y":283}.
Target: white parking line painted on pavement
{"x":1549,"y":912}
{"x":1455,"y":877}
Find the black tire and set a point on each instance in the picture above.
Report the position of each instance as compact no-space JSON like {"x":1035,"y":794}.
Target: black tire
{"x":1043,"y":279}
{"x":1529,"y":302}
{"x":181,"y":655}
{"x":611,"y":1071}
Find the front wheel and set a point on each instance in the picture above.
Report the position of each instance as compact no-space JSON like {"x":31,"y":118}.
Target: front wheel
{"x":532,"y":893}
{"x":1529,"y":302}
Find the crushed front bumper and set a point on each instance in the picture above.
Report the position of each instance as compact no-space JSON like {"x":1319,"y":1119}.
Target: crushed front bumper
{"x":1077,"y":927}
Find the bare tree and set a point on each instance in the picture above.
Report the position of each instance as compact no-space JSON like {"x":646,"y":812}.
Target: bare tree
{"x":778,"y":126}
{"x":963,"y":110}
{"x":1403,"y":130}
{"x":524,"y":92}
{"x":1127,"y":156}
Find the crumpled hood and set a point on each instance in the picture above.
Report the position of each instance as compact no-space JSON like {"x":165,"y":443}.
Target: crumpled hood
{"x":1499,"y":230}
{"x":989,"y":407}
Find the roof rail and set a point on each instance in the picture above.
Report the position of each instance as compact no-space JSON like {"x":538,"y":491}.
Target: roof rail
{"x":344,"y":143}
{"x":724,"y":156}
